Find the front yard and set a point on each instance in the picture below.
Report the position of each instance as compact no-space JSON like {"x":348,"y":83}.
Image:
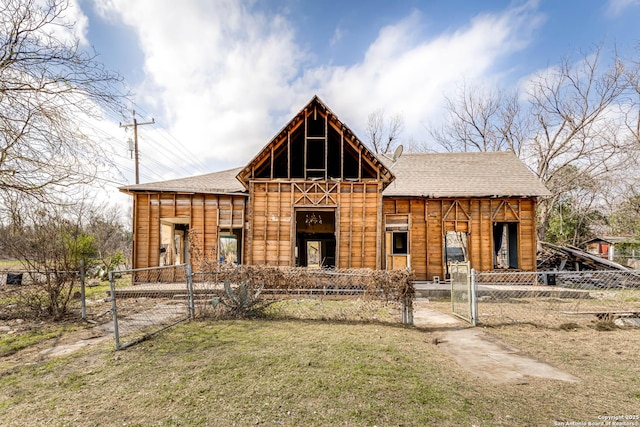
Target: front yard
{"x":271,"y":372}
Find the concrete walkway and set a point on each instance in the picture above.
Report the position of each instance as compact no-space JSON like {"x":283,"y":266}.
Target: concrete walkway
{"x":480,"y":353}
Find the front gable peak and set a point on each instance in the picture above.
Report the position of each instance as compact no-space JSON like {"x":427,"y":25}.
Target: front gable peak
{"x":315,"y":145}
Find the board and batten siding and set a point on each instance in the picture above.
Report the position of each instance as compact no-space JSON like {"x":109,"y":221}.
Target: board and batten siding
{"x":357,"y":207}
{"x":206,"y":215}
{"x":430,"y":219}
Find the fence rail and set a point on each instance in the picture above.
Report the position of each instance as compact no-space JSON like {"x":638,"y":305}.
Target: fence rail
{"x":558,"y":298}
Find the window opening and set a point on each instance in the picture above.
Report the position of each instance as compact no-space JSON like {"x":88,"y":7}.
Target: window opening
{"x":455,"y":247}
{"x":505,"y":245}
{"x":174,"y":241}
{"x":400,"y":243}
{"x":229,"y":248}
{"x":313,"y":253}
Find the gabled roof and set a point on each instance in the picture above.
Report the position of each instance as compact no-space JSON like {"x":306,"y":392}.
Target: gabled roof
{"x":316,"y":103}
{"x":612,"y":239}
{"x":223,"y":182}
{"x":494,"y":174}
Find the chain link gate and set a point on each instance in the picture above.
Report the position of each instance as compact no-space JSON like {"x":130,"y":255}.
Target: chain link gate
{"x":156,"y":299}
{"x":463,"y":297}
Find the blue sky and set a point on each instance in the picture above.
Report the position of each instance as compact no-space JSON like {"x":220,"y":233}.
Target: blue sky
{"x":222,"y":77}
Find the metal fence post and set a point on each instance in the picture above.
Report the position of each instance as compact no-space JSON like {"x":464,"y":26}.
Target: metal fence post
{"x":114,"y":312}
{"x":190,"y":297}
{"x":474,"y":297}
{"x":83,"y":300}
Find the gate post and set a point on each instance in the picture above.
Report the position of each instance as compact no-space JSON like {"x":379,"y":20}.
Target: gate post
{"x":114,"y":310}
{"x":473,"y":297}
{"x":190,"y":297}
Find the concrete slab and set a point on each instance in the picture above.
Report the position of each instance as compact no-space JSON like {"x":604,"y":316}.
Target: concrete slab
{"x":493,"y":360}
{"x":481,"y":353}
{"x":425,"y":317}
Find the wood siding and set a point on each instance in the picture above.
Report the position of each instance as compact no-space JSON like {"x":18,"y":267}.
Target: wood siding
{"x":205,"y":214}
{"x":357,"y":207}
{"x":432,"y":218}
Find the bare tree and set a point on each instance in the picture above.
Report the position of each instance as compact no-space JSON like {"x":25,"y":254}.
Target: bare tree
{"x":49,"y":84}
{"x":567,"y":119}
{"x":481,"y":120}
{"x":383,"y":134}
{"x":574,"y":109}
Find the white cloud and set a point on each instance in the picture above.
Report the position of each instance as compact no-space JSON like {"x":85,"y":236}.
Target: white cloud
{"x":402,"y":74}
{"x":338,"y":34}
{"x":217,"y":72}
{"x":224,"y":77}
{"x":617,"y":7}
{"x":72,"y":23}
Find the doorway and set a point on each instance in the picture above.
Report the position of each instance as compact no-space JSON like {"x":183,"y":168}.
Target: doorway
{"x":315,"y":238}
{"x":505,"y":245}
{"x":174,"y":241}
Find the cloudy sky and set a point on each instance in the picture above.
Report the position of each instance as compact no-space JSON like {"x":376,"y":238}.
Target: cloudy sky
{"x":220,"y":78}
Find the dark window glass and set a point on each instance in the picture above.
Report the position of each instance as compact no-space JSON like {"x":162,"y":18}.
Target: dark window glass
{"x":400,"y":243}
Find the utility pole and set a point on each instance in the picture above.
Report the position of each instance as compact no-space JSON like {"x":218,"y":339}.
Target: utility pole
{"x":135,"y":125}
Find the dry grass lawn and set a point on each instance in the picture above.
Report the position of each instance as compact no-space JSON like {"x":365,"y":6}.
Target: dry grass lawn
{"x":316,"y":373}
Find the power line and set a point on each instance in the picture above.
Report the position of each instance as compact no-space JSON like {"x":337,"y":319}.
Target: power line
{"x":184,"y":152}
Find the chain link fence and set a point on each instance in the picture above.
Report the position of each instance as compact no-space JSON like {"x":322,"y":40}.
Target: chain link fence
{"x":304,"y":293}
{"x":558,"y":298}
{"x":158,"y":298}
{"x":29,"y":293}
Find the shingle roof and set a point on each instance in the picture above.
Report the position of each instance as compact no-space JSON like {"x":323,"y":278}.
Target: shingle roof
{"x":211,"y":183}
{"x":422,"y":175}
{"x":462,"y":175}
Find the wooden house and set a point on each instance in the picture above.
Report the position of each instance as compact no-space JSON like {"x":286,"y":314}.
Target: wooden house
{"x":316,"y":196}
{"x":605,"y":246}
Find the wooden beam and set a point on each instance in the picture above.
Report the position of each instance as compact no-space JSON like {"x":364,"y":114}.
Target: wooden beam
{"x":350,"y":225}
{"x":342,"y":153}
{"x":326,"y":147}
{"x":293,"y":227}
{"x":271,"y":165}
{"x":305,"y":147}
{"x":379,"y":227}
{"x":288,"y":155}
{"x":279,"y":211}
{"x":336,"y":225}
{"x":364,"y":223}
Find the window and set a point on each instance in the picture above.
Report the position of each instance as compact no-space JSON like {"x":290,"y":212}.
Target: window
{"x":400,"y":243}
